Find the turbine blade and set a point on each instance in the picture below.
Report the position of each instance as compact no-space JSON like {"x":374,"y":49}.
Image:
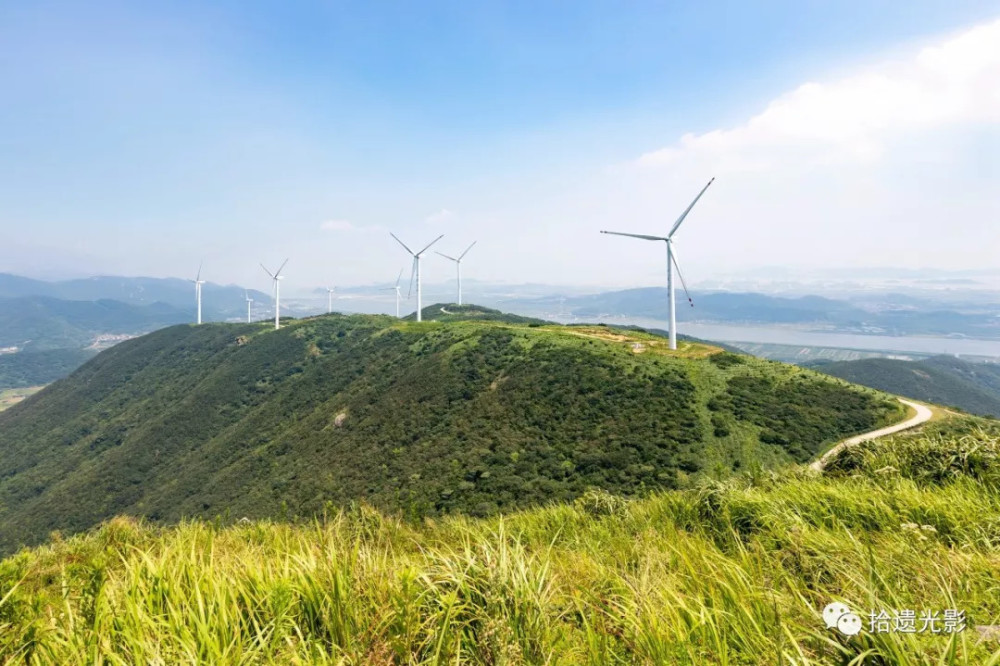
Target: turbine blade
{"x":400,"y":276}
{"x":462,"y":256}
{"x":688,"y":209}
{"x":267,"y":271}
{"x":429,"y":244}
{"x":445,"y":255}
{"x":673,"y":256}
{"x":401,"y":243}
{"x":278,"y":272}
{"x":642,"y":236}
{"x":198,"y":277}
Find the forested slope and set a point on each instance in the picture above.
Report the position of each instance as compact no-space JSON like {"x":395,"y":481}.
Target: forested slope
{"x":429,"y":418}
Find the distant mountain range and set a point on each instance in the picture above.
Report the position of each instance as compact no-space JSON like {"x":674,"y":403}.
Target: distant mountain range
{"x":725,"y":307}
{"x":47,"y":329}
{"x":945,"y":380}
{"x":40,"y":322}
{"x":219,"y":302}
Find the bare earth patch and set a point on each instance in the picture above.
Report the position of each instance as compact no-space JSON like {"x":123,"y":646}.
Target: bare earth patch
{"x":10,"y":397}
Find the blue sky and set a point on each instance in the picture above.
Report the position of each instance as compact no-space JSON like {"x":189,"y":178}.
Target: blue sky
{"x":140,"y":140}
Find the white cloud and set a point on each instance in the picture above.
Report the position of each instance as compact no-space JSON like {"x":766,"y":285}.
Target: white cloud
{"x":851,"y":120}
{"x":441,"y":217}
{"x":337,"y":225}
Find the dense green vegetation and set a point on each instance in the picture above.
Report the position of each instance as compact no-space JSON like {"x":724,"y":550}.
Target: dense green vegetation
{"x":424,"y":419}
{"x":41,"y":367}
{"x":731,"y":572}
{"x":945,"y":380}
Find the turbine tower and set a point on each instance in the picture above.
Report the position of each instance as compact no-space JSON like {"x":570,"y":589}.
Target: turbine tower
{"x":329,"y":299}
{"x":671,"y":263}
{"x":197,"y":291}
{"x":396,"y":289}
{"x":276,"y":276}
{"x":416,"y":269}
{"x":246,"y":295}
{"x":458,"y":267}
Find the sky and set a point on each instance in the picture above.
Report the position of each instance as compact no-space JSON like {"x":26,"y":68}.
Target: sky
{"x":145,"y":140}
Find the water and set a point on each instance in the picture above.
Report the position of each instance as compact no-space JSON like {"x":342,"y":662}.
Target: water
{"x":792,"y":336}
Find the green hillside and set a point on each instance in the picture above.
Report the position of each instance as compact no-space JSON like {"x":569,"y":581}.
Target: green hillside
{"x":425,"y":419}
{"x":945,"y":380}
{"x":34,"y":368}
{"x":40,"y":323}
{"x":734,"y":572}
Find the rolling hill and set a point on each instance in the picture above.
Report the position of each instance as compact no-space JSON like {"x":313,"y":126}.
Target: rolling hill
{"x":42,"y":323}
{"x":946,"y":380}
{"x":220,"y":301}
{"x":424,"y":419}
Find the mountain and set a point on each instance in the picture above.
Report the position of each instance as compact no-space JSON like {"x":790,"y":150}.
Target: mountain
{"x":218,"y":301}
{"x":425,"y":418}
{"x":41,"y":322}
{"x":974,"y":387}
{"x":35,"y":368}
{"x":749,"y":307}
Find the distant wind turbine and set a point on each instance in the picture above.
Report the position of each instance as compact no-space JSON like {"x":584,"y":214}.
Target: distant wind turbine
{"x":396,"y":289}
{"x":246,"y":295}
{"x":416,"y":269}
{"x":197,"y":291}
{"x":276,"y":277}
{"x":671,"y":263}
{"x":329,"y":299}
{"x":458,"y":267}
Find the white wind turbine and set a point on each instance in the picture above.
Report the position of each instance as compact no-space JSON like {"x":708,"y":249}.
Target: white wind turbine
{"x":396,"y":289}
{"x":197,"y":291}
{"x":671,"y":263}
{"x":329,"y":299}
{"x":276,"y":277}
{"x":458,"y":267}
{"x":246,"y":295}
{"x":416,"y":269}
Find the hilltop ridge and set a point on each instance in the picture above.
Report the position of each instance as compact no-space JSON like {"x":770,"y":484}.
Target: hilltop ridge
{"x":421,"y":418}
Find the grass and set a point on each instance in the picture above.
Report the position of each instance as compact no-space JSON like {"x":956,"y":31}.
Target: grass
{"x":733,"y":572}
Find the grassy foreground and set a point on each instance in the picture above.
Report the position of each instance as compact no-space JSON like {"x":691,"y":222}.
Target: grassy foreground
{"x":731,"y":573}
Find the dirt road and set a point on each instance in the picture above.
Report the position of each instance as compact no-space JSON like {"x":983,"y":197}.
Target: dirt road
{"x":922,"y":416}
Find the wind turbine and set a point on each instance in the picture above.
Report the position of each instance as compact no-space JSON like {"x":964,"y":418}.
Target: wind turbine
{"x":396,"y":289}
{"x":671,"y":263}
{"x":329,"y":299}
{"x":416,"y":269}
{"x":276,"y":276}
{"x":197,"y":290}
{"x":246,"y":295}
{"x":458,"y":267}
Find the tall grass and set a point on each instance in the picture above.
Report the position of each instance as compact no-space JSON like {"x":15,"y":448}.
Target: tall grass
{"x":731,"y":573}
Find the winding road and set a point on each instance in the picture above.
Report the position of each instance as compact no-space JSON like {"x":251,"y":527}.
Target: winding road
{"x":922,"y":416}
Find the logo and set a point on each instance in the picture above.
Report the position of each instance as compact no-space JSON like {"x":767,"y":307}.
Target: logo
{"x":839,"y":616}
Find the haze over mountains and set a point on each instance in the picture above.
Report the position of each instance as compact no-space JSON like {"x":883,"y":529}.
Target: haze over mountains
{"x":71,"y":318}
